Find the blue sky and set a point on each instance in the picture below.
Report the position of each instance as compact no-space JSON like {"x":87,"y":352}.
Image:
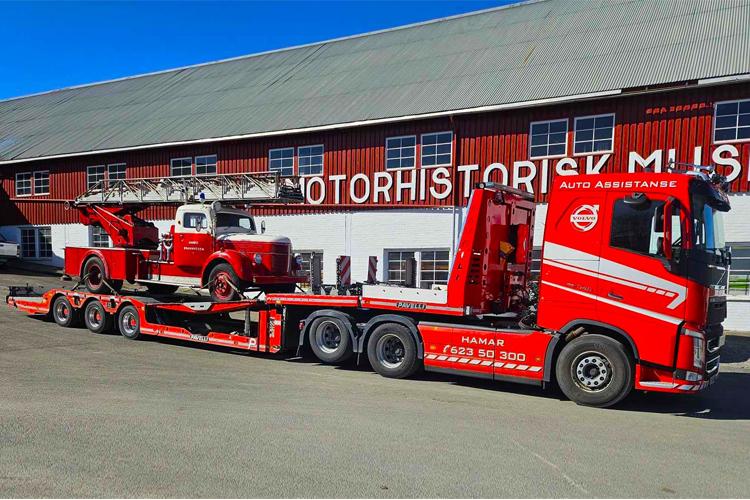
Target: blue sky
{"x":50,"y":45}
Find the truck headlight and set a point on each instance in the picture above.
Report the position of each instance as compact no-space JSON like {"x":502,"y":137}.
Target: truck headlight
{"x":257,"y":258}
{"x":298,"y":259}
{"x":699,"y":351}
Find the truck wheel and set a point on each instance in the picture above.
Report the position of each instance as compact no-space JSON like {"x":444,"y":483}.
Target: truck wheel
{"x":219,"y":283}
{"x":159,"y":289}
{"x":392,"y":351}
{"x":96,"y":318}
{"x":330,"y":340}
{"x":63,"y":313}
{"x":94,"y":275}
{"x":129,"y":322}
{"x":594,"y":370}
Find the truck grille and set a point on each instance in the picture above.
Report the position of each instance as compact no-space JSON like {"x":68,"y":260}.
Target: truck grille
{"x":279,"y":264}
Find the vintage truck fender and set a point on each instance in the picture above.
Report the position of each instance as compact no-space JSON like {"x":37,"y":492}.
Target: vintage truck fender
{"x":76,"y":256}
{"x":241,"y":264}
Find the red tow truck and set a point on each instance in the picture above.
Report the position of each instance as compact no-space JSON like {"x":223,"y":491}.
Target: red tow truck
{"x":210,"y":245}
{"x":631,"y":296}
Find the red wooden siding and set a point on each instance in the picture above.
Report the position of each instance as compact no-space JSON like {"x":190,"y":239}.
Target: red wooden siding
{"x":680,"y":119}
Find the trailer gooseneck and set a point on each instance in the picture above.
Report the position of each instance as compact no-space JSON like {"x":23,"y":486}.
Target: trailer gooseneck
{"x":630,"y":297}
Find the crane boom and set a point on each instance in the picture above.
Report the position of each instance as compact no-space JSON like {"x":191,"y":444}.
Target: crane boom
{"x":246,"y":187}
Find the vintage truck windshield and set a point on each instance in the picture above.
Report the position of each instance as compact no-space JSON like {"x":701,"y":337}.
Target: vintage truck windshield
{"x":234,"y":223}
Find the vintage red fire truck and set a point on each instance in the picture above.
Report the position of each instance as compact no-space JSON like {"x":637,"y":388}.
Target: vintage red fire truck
{"x":630,"y":296}
{"x":209,"y":245}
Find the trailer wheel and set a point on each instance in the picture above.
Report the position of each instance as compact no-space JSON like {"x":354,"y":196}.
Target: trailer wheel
{"x":94,"y":277}
{"x":392,"y":351}
{"x":129,"y":322}
{"x":63,"y":313}
{"x":222,"y":282}
{"x":594,"y":370}
{"x":96,"y":318}
{"x":330,"y":340}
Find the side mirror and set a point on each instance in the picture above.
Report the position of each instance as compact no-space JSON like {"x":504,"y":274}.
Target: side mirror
{"x":666,"y":241}
{"x":262,"y":227}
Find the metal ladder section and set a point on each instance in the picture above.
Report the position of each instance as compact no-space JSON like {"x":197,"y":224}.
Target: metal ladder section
{"x":256,"y":187}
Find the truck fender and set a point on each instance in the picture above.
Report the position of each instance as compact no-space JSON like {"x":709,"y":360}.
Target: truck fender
{"x":409,"y":323}
{"x":603,"y":328}
{"x":347,"y":319}
{"x":86,"y":257}
{"x":234,"y":259}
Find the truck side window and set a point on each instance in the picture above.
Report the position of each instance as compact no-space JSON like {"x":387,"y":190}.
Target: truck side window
{"x":194,"y":220}
{"x":638,"y":228}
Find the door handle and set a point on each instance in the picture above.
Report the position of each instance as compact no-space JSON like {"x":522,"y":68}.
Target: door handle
{"x":613,"y":295}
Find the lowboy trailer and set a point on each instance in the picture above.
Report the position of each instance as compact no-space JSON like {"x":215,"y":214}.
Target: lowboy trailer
{"x":628,"y":297}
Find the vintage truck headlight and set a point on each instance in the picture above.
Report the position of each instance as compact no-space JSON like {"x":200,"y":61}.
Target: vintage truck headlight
{"x":257,"y":258}
{"x":699,"y":351}
{"x":298,"y":259}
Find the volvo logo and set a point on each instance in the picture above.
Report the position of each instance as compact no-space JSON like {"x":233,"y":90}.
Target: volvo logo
{"x":585,"y":217}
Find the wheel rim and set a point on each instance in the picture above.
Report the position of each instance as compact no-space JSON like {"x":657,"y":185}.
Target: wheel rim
{"x":129,"y":323}
{"x":94,"y":275}
{"x":328,"y":337}
{"x":95,"y":317}
{"x":592,"y":371}
{"x":222,"y":287}
{"x":390,"y":351}
{"x":62,"y":311}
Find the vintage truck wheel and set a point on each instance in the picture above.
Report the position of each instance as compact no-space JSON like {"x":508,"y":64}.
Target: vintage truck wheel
{"x":94,"y":277}
{"x":223,"y":283}
{"x":594,"y":370}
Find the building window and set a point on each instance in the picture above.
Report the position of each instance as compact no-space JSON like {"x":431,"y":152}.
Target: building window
{"x":400,"y":152}
{"x":41,"y":182}
{"x":437,"y":149}
{"x":548,"y":139}
{"x":23,"y":184}
{"x":310,"y":160}
{"x":115,"y":172}
{"x":281,"y":160}
{"x":432,"y":266}
{"x":739,"y":275}
{"x":732,"y":121}
{"x":594,"y":134}
{"x":205,"y":165}
{"x":95,"y":176}
{"x":307,"y":257}
{"x":99,"y":237}
{"x":36,"y":242}
{"x":181,"y":167}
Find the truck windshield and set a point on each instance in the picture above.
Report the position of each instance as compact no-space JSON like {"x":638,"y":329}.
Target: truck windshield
{"x":234,"y":223}
{"x":708,"y":225}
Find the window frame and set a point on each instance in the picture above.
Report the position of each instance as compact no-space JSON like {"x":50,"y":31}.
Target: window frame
{"x":297,"y":156}
{"x":36,"y":230}
{"x":308,"y":284}
{"x":88,"y":175}
{"x":108,"y":172}
{"x":736,"y":127}
{"x":171,"y":166}
{"x":593,"y":139}
{"x":93,"y":237}
{"x":31,"y":184}
{"x":215,"y":164}
{"x":280,"y":170}
{"x":421,"y":146}
{"x":418,"y":255}
{"x":416,"y":149}
{"x":567,"y":131}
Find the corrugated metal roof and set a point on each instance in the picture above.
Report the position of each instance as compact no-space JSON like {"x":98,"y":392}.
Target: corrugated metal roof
{"x":519,"y":53}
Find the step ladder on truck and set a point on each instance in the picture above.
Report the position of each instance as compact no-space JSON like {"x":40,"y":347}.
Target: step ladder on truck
{"x":630,"y":296}
{"x":209,"y":245}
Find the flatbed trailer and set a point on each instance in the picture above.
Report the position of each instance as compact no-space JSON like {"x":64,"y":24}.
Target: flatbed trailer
{"x":609,"y":320}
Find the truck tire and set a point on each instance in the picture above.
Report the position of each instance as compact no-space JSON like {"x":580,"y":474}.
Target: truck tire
{"x":96,"y":318}
{"x":218,"y":283}
{"x":94,"y":277}
{"x":594,"y":370}
{"x":329,"y":340}
{"x":63,"y":313}
{"x":160,"y":289}
{"x":392,"y":351}
{"x":129,"y":322}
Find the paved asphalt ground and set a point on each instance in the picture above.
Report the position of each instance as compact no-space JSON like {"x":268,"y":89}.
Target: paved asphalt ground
{"x":98,"y":415}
